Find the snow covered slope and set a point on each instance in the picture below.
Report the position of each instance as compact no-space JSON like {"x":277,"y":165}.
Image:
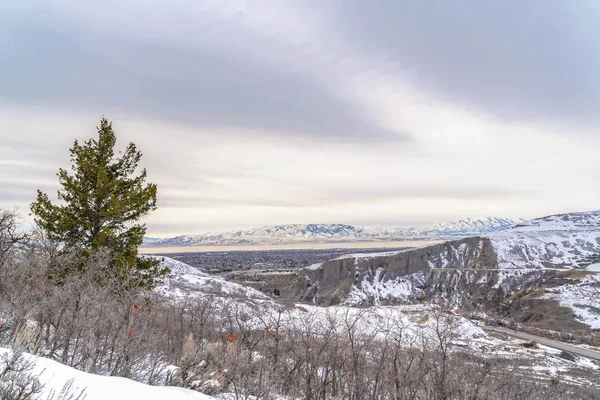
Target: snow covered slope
{"x":54,"y":375}
{"x":320,"y":233}
{"x":186,"y":280}
{"x":564,"y":241}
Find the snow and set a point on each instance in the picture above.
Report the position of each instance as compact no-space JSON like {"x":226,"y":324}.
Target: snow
{"x":314,"y":266}
{"x":377,"y":289}
{"x":579,"y":296}
{"x":178,"y":267}
{"x":509,"y":276}
{"x":54,"y":375}
{"x":593,"y":267}
{"x":186,"y":280}
{"x":567,"y":241}
{"x":558,"y":242}
{"x":411,"y":321}
{"x":369,"y":255}
{"x":374,"y":320}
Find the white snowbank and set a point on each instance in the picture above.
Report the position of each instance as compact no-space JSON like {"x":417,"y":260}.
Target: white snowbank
{"x":593,"y":268}
{"x":54,"y":375}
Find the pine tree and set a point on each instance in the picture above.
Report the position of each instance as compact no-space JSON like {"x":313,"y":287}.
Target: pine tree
{"x":103,"y":198}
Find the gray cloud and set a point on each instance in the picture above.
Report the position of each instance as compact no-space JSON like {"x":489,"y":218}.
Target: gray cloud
{"x":315,"y":196}
{"x":534,"y":60}
{"x":60,"y":63}
{"x":21,"y":192}
{"x":452,"y":191}
{"x":284,"y":112}
{"x":525,"y":60}
{"x":200,"y":201}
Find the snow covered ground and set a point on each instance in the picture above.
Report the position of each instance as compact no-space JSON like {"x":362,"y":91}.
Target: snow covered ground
{"x":567,"y":241}
{"x":54,"y":375}
{"x":582,"y":296}
{"x":186,"y":280}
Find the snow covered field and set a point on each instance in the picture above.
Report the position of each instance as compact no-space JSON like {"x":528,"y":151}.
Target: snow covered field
{"x":412,"y":319}
{"x":416,"y":324}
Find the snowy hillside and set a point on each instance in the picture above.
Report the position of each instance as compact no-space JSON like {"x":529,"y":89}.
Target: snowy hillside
{"x":564,"y":241}
{"x":186,"y":280}
{"x":54,"y":375}
{"x":553,"y":258}
{"x":323,"y":233}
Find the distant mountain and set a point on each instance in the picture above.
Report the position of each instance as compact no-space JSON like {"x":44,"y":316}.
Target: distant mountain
{"x":337,"y":233}
{"x":150,"y":240}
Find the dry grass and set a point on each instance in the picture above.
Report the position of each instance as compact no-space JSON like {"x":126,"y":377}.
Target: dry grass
{"x":536,"y":294}
{"x":423,"y":319}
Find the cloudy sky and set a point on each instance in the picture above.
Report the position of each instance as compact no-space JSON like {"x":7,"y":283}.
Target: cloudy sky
{"x":250,"y":113}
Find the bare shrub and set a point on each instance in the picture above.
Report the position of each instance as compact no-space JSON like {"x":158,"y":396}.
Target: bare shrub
{"x":17,"y":381}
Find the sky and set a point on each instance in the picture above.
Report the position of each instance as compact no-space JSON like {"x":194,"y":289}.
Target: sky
{"x":252,"y":113}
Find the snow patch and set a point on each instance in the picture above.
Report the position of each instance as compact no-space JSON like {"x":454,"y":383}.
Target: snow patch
{"x":314,"y":266}
{"x":593,"y":267}
{"x":377,"y":289}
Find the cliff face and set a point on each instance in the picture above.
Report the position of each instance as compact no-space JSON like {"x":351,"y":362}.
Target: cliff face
{"x":399,"y":276}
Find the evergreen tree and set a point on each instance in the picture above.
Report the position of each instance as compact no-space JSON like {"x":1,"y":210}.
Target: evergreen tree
{"x":103,"y":198}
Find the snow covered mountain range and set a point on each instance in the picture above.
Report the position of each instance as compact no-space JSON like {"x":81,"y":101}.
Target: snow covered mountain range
{"x":332,"y":233}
